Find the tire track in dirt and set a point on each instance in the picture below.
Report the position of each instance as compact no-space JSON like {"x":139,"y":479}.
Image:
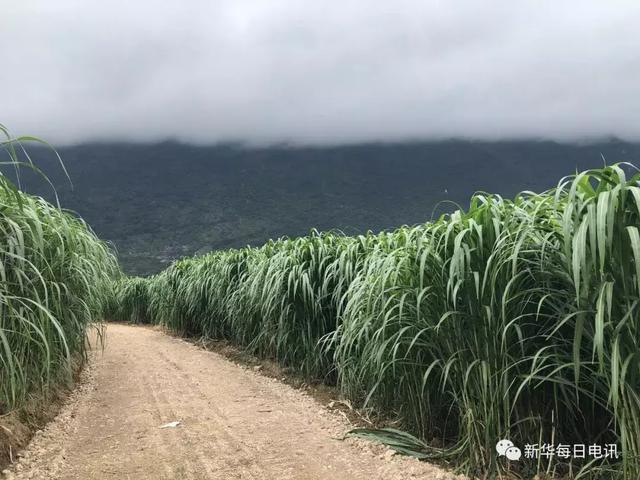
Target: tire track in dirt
{"x":235,"y":423}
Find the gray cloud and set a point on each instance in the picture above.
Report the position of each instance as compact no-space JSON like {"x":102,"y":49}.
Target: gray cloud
{"x":319,"y":72}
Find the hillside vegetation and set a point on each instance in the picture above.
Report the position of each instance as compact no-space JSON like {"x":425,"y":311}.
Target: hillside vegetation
{"x":513,"y":319}
{"x":161,"y":202}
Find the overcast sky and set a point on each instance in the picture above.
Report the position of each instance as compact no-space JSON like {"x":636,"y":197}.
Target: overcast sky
{"x":319,"y":72}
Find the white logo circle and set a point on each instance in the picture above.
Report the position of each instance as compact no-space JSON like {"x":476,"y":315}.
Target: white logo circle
{"x":513,"y":453}
{"x":502,"y":446}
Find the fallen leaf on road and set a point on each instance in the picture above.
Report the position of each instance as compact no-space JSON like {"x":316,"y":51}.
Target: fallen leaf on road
{"x":170,"y":425}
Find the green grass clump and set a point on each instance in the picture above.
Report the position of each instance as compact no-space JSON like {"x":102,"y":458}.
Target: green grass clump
{"x":132,"y":302}
{"x":513,"y":319}
{"x":55,"y":279}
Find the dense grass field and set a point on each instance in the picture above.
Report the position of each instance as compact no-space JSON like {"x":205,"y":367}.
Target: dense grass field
{"x":514,"y":319}
{"x":55,"y":277}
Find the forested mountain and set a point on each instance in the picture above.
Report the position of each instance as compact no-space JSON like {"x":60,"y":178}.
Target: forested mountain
{"x":162,"y":201}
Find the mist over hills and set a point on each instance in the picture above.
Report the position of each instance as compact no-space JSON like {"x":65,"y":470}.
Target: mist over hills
{"x":162,"y":201}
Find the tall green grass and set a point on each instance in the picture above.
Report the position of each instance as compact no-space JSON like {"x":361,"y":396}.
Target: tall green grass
{"x":55,"y":279}
{"x":513,"y":319}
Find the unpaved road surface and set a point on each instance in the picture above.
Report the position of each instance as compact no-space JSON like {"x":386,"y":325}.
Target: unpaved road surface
{"x":235,"y":423}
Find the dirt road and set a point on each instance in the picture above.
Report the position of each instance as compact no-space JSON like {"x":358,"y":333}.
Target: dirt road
{"x":234,"y":423}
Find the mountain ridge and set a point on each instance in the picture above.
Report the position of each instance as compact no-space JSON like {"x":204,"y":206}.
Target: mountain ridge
{"x":157,"y":202}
